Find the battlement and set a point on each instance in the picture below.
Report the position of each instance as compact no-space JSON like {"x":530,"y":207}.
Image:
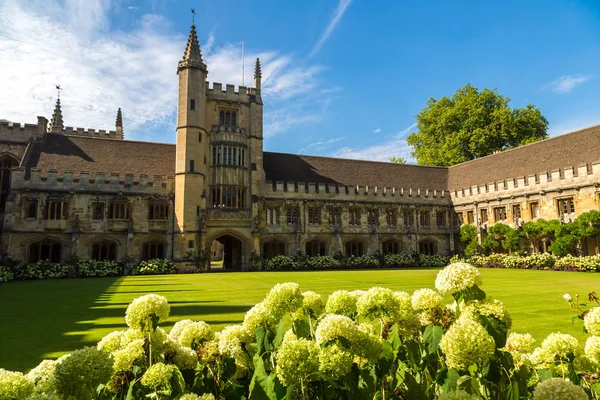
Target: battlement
{"x":84,"y":181}
{"x":559,"y":179}
{"x":242,"y":94}
{"x":101,"y":133}
{"x":338,"y":192}
{"x":15,"y":131}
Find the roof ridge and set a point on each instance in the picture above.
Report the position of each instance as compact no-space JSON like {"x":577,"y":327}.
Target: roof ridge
{"x":562,"y":135}
{"x":359,"y":160}
{"x":116,"y":140}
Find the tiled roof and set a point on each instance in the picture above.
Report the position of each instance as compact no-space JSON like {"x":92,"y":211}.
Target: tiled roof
{"x":76,"y":153}
{"x":569,"y":150}
{"x":298,"y":168}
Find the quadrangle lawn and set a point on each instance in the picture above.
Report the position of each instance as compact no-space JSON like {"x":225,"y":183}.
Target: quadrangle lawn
{"x":44,"y":319}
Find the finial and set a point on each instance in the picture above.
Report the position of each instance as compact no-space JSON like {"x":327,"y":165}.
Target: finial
{"x":257,"y":70}
{"x":192,"y":57}
{"x":58,"y":89}
{"x":193,"y":16}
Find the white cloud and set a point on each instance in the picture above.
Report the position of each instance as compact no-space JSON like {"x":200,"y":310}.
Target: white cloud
{"x":320,"y":145}
{"x":335,"y":19}
{"x":101,"y":68}
{"x":377,"y":130}
{"x":395,"y":147}
{"x":566,"y":83}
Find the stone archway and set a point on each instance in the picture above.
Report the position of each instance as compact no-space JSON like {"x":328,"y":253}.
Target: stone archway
{"x":232,"y":251}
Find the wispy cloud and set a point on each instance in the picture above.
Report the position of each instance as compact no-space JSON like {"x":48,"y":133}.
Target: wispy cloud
{"x":320,"y":145}
{"x":396,"y":146}
{"x":566,"y":83}
{"x":335,"y":20}
{"x":377,"y":130}
{"x":102,"y":67}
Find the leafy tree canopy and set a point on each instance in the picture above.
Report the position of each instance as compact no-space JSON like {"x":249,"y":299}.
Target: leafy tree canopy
{"x":472,"y":124}
{"x":398,"y":160}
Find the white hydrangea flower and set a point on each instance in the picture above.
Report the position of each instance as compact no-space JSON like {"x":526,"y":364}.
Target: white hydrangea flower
{"x":378,"y":303}
{"x":158,"y":375}
{"x":111,"y":342}
{"x":124,"y":358}
{"x":591,"y":321}
{"x":140,"y":311}
{"x":42,"y":376}
{"x":456,"y":277}
{"x":312,"y":304}
{"x":341,"y":302}
{"x":466,"y":343}
{"x":191,"y":333}
{"x":519,"y":343}
{"x":284,"y":297}
{"x":559,"y":344}
{"x":592,"y":349}
{"x":426,"y":299}
{"x":487,"y":308}
{"x":297,"y":359}
{"x":558,"y":389}
{"x":335,"y":361}
{"x":14,"y":385}
{"x":185,"y":358}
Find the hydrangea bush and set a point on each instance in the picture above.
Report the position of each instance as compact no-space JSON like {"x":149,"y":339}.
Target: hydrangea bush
{"x":363,"y":344}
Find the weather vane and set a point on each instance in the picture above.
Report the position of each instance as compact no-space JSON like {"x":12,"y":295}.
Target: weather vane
{"x":193,"y":16}
{"x":58,"y":88}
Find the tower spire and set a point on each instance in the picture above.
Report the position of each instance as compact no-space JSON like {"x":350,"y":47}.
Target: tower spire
{"x":257,"y":74}
{"x":56,"y":123}
{"x":192,"y":57}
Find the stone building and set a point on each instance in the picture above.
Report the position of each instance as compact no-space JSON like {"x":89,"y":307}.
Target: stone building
{"x":72,"y":192}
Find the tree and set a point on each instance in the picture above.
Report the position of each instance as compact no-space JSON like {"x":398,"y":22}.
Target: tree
{"x":472,"y":124}
{"x":501,"y":237}
{"x":397,"y":160}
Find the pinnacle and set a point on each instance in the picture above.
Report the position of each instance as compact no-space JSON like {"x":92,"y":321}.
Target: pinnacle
{"x":192,"y":54}
{"x":56,"y":123}
{"x":119,"y":121}
{"x":257,"y":70}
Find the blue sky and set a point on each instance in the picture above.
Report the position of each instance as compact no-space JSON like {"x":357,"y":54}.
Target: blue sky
{"x":342,"y":78}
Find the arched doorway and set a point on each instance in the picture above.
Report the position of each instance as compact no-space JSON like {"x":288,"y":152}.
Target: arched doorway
{"x":232,"y":251}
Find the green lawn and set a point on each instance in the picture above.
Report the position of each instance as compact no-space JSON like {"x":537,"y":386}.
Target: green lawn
{"x":42,"y":319}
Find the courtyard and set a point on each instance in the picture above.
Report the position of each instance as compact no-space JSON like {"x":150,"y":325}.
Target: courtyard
{"x":45,"y":319}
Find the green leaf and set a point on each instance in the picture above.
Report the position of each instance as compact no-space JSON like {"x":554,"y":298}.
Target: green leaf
{"x":263,"y":342}
{"x":495,"y":328}
{"x":451,"y":382}
{"x":512,"y":393}
{"x":432,"y":336}
{"x":283,"y":326}
{"x":301,"y":328}
{"x":394,"y":338}
{"x":544,"y":374}
{"x":262,"y":386}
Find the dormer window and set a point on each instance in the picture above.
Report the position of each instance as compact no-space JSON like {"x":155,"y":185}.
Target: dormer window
{"x":228,"y":118}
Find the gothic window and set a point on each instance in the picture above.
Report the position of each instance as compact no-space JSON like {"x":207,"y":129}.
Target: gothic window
{"x":32,"y":207}
{"x":516,"y":212}
{"x":373,"y":217}
{"x":153,"y":249}
{"x":104,"y":251}
{"x":273,"y":248}
{"x":98,"y":211}
{"x":355,"y":248}
{"x":427,"y":247}
{"x":293,"y":215}
{"x":534,"y":209}
{"x":391,"y":247}
{"x":158,"y":211}
{"x":6,"y":163}
{"x":272,"y":216}
{"x":425,"y":219}
{"x":458,"y":218}
{"x":441,"y":219}
{"x":46,"y":249}
{"x":499,"y":214}
{"x":228,"y":118}
{"x":354,"y":217}
{"x":314,"y":216}
{"x":192,"y":104}
{"x":470,"y":217}
{"x":191,"y":165}
{"x":408,"y":218}
{"x":315,"y":248}
{"x":484,"y":216}
{"x":335,"y":216}
{"x":566,"y":206}
{"x":228,"y":196}
{"x":118,"y":210}
{"x":55,"y":209}
{"x":391,"y":217}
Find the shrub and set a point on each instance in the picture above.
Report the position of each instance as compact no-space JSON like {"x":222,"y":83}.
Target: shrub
{"x":6,"y":274}
{"x":363,"y":261}
{"x":154,"y":267}
{"x":321,"y":262}
{"x":280,"y":263}
{"x":93,"y":268}
{"x":426,"y":261}
{"x":399,"y":260}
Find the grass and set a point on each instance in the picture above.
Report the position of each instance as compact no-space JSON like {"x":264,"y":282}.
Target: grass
{"x":44,"y":319}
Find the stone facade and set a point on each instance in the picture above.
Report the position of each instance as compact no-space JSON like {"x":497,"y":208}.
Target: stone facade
{"x":73,"y":192}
